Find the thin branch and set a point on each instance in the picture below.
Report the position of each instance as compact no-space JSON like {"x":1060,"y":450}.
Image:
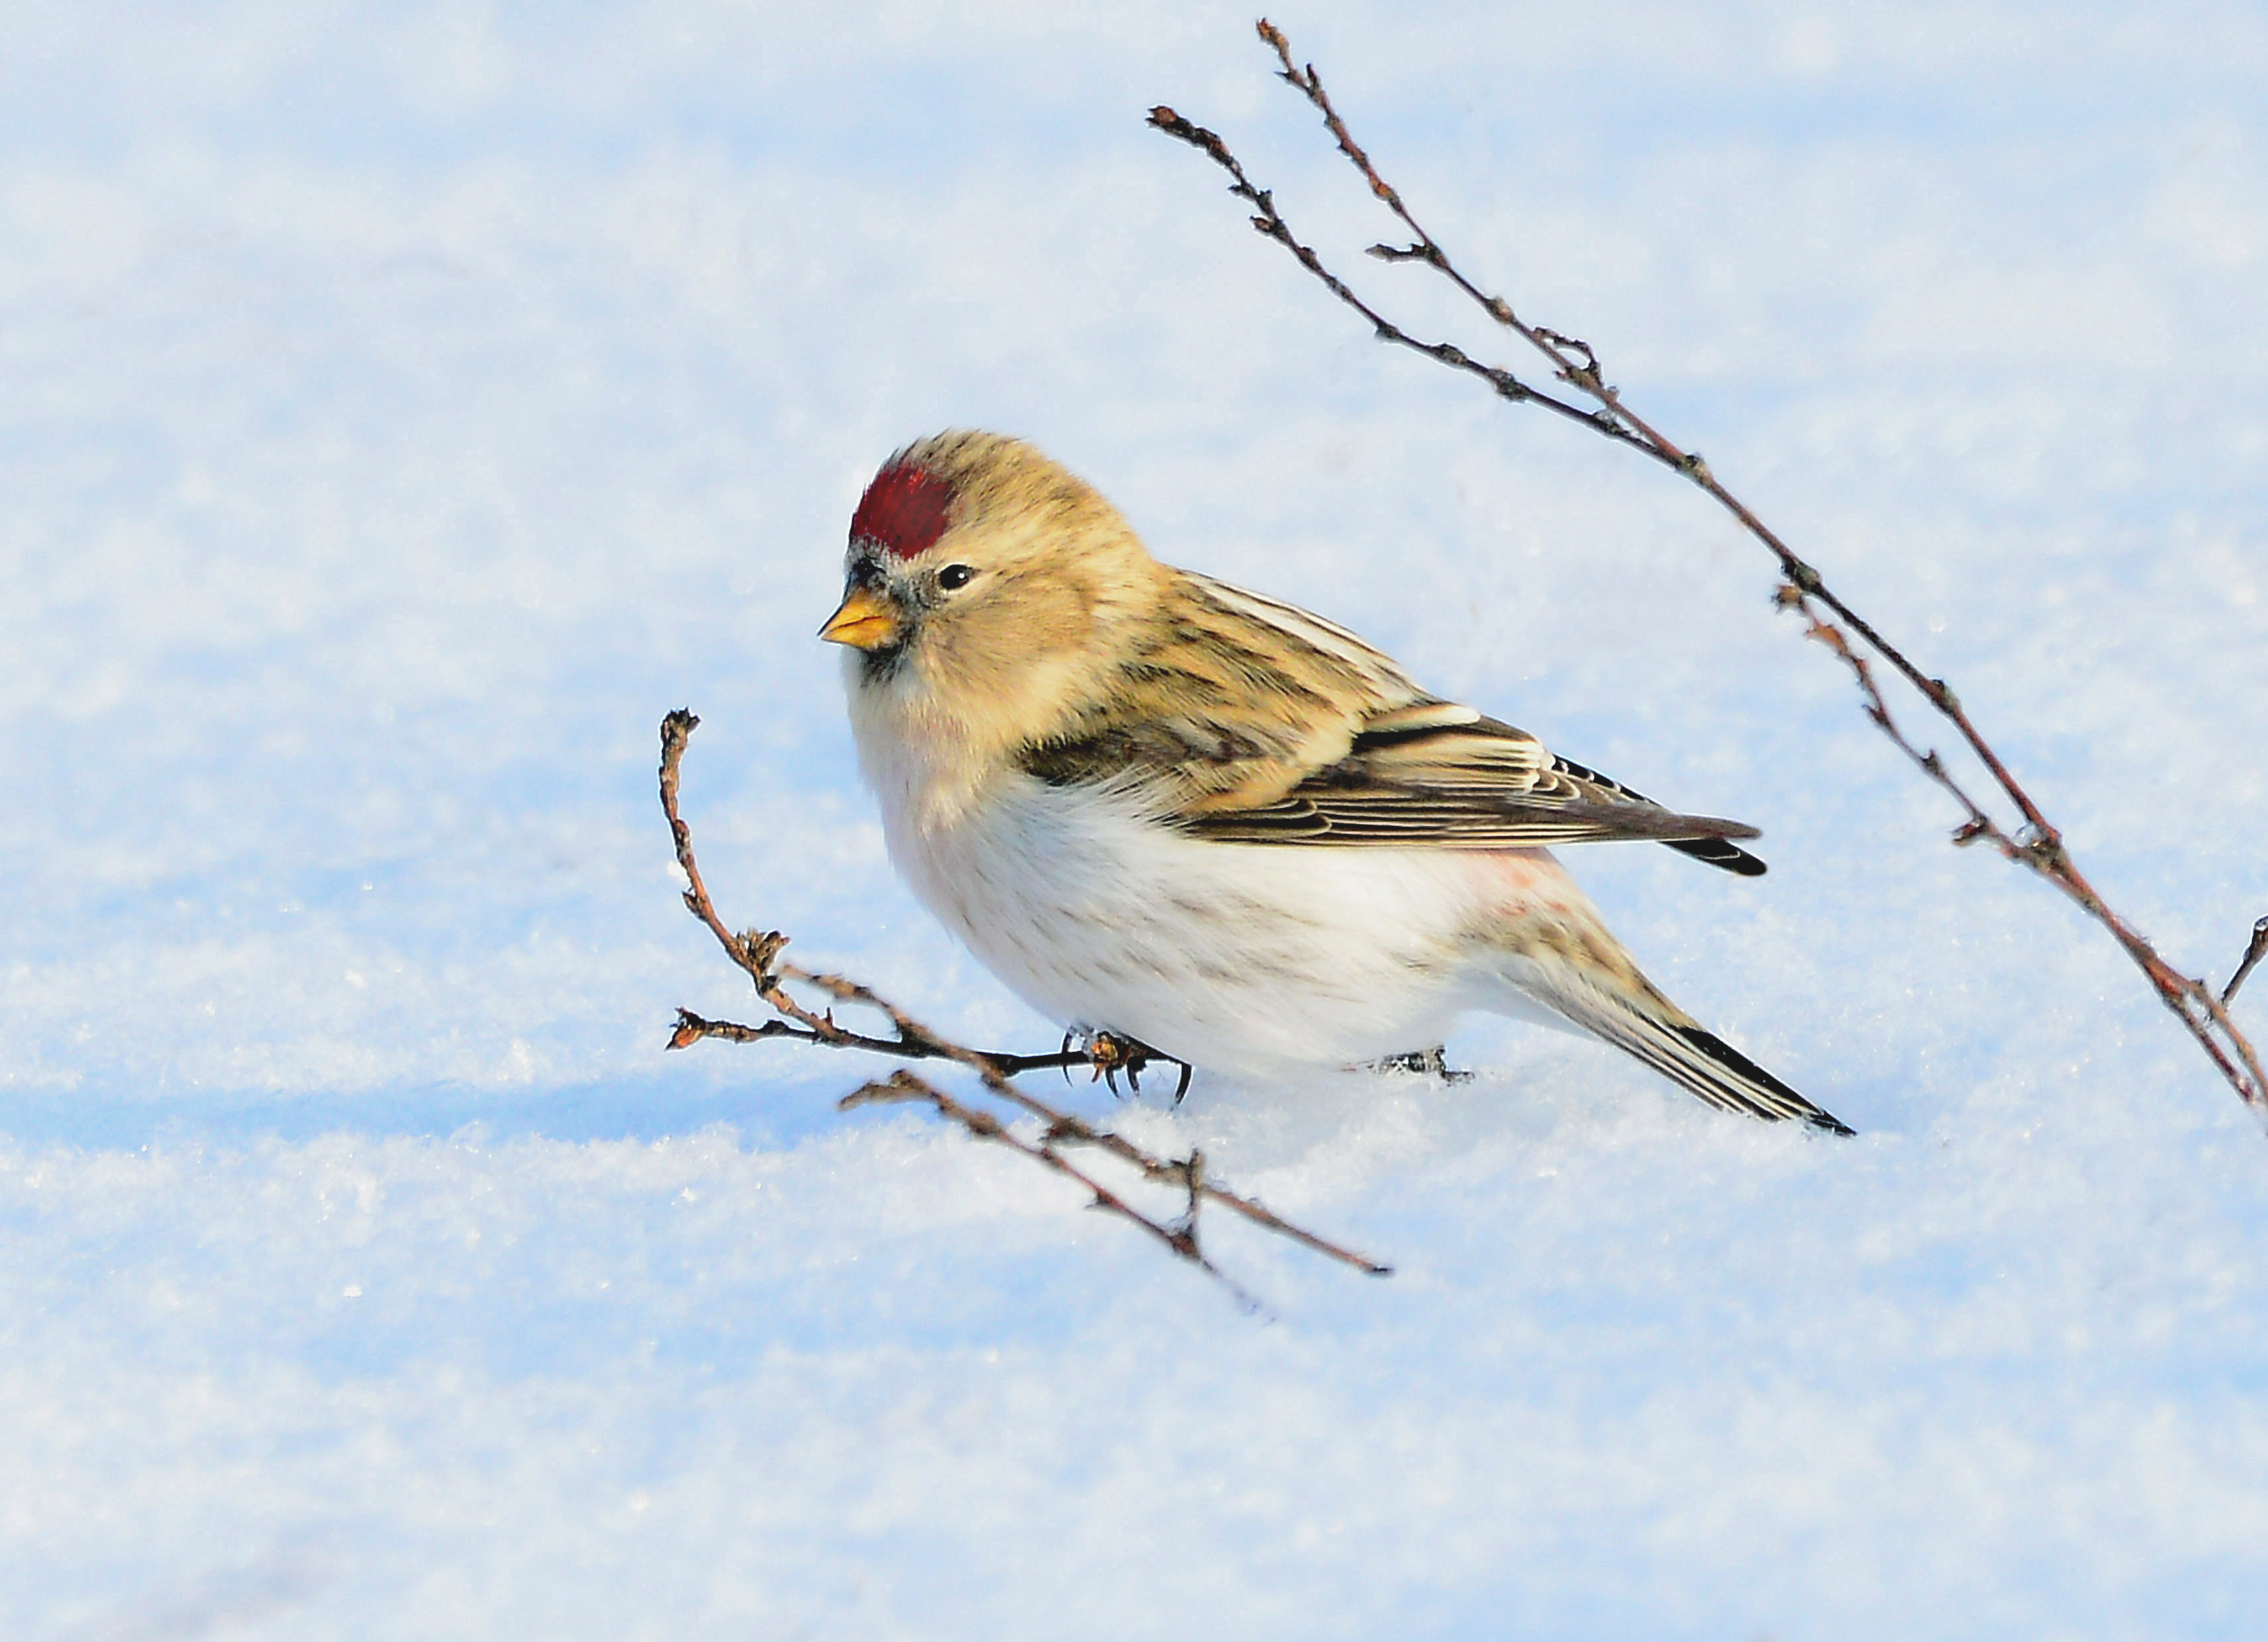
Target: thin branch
{"x":691,"y":1028}
{"x":2035,"y":843}
{"x":2255,"y":950}
{"x":758,"y":955}
{"x":1270,"y":222}
{"x":1181,"y":1239}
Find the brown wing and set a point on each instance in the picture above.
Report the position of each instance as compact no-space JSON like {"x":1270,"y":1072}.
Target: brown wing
{"x":1250,"y":721}
{"x":1435,"y":774}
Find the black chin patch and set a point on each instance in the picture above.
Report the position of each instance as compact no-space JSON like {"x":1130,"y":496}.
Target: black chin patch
{"x":879,"y":667}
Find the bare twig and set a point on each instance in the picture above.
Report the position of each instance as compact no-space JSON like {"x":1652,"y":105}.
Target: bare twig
{"x":2033,"y":842}
{"x":1180,"y":1237}
{"x":1270,"y":222}
{"x":691,"y":1028}
{"x":759,"y":957}
{"x":2254,"y":950}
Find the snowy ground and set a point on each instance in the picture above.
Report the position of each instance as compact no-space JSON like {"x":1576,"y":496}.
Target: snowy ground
{"x":402,"y":409}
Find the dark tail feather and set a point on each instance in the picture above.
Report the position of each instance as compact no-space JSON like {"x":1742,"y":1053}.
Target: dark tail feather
{"x":1788,"y":1102}
{"x":1666,"y":1038}
{"x":1719,"y":853}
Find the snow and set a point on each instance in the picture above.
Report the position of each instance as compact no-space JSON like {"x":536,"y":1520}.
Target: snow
{"x":405,"y":407}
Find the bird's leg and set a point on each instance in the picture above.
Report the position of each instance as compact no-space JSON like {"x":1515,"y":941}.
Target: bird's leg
{"x":1434,"y":1063}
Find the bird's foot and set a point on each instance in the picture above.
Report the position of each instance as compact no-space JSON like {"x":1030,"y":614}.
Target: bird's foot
{"x":1110,"y":1053}
{"x":1432,"y":1062}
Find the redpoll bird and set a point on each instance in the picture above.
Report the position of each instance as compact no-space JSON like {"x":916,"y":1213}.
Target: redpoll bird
{"x":1161,"y":806}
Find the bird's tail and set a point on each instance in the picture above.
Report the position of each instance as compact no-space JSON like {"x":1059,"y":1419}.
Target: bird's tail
{"x":1628,"y":1011}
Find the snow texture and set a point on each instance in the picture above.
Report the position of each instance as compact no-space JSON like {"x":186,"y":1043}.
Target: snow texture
{"x":402,"y":406}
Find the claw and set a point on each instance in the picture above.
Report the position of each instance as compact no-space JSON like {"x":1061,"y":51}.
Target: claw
{"x":1110,"y":1053}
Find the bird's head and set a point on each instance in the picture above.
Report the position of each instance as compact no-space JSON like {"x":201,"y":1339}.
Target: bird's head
{"x":986,"y":588}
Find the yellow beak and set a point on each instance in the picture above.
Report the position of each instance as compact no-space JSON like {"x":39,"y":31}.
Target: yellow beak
{"x":865,"y":619}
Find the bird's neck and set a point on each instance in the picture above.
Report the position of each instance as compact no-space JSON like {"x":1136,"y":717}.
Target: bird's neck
{"x":928,"y":766}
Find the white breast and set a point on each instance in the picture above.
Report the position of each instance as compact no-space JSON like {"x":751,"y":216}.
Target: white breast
{"x":1234,"y":957}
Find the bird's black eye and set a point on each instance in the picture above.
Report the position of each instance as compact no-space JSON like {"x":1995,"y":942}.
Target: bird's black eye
{"x":954,"y":575}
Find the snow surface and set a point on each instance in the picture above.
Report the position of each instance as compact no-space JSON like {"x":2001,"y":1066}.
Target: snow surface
{"x":402,"y":408}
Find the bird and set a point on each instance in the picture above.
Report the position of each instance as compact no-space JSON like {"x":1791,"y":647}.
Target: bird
{"x":1209,"y":821}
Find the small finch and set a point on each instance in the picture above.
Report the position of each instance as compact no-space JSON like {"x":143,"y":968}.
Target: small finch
{"x":1163,"y":807}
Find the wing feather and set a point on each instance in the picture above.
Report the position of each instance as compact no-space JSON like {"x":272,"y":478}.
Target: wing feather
{"x":1250,"y":721}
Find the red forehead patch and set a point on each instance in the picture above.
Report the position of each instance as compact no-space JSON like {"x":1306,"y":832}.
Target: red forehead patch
{"x":904,"y":511}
